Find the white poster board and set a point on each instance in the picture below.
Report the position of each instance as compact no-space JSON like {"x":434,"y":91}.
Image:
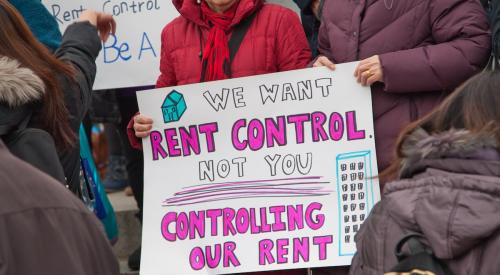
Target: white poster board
{"x":132,"y":57}
{"x":257,"y":173}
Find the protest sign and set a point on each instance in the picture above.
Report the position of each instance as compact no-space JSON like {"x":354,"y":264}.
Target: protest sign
{"x":258,"y":173}
{"x":131,"y":58}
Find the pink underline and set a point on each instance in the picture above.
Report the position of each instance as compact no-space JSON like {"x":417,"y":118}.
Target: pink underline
{"x":244,"y":182}
{"x":231,"y":192}
{"x":248,"y":185}
{"x":241,"y":197}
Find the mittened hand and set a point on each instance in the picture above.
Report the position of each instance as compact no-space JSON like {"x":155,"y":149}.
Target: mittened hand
{"x":369,"y":71}
{"x":105,"y":23}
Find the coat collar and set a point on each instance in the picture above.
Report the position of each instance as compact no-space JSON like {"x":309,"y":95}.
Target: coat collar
{"x":18,"y":85}
{"x":191,"y":10}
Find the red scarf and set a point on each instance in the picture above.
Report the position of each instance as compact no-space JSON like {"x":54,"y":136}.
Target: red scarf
{"x":216,"y":51}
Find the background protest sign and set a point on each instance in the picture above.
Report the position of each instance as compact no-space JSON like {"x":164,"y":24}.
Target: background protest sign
{"x":132,"y":57}
{"x":257,"y":173}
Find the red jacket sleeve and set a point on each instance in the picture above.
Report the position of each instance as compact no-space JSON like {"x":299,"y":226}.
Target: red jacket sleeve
{"x":167,"y":71}
{"x":292,"y":49}
{"x":166,"y":79}
{"x":135,"y":142}
{"x":460,"y":30}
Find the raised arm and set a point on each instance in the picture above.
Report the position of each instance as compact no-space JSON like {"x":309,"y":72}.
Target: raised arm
{"x":81,"y":44}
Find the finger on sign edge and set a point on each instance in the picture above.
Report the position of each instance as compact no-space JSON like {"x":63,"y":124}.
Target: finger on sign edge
{"x":360,"y":68}
{"x":143,"y":120}
{"x":328,"y":63}
{"x":364,"y":77}
{"x":370,"y":81}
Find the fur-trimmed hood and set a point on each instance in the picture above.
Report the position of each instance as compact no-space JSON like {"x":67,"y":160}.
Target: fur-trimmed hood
{"x":18,"y":85}
{"x":449,"y":191}
{"x":422,"y":149}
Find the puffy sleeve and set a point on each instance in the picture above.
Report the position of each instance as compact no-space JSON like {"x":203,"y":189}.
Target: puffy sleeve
{"x":167,"y":74}
{"x":292,"y":47}
{"x":80,"y":47}
{"x":462,"y":46}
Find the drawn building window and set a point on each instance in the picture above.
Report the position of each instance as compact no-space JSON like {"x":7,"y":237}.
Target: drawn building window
{"x":354,"y":184}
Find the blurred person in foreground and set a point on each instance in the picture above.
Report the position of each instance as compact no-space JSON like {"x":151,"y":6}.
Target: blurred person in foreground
{"x":446,"y":188}
{"x":46,"y":230}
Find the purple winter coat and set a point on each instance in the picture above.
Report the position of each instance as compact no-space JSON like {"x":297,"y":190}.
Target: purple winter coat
{"x":426,"y":47}
{"x":450,"y":194}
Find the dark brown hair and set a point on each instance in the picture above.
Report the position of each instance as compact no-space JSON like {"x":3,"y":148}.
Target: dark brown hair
{"x":474,"y":106}
{"x":17,"y":42}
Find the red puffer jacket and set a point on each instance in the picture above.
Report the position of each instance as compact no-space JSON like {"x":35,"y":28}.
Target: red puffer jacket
{"x":274,"y":42}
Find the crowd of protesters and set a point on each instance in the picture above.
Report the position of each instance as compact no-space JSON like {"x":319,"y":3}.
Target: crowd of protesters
{"x":436,"y":117}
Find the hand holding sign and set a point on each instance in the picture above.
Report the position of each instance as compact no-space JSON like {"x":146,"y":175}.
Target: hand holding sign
{"x":142,"y":126}
{"x":105,"y":23}
{"x":369,"y":71}
{"x":260,"y":173}
{"x":324,"y":61}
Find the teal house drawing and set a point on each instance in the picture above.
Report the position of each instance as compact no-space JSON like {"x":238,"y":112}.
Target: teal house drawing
{"x":173,"y":107}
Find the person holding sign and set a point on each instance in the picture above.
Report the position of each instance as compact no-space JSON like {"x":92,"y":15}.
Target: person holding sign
{"x":197,"y":46}
{"x":445,"y":195}
{"x":221,"y":39}
{"x":412,"y":54}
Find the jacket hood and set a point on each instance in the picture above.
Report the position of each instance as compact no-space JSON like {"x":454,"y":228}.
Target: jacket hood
{"x":18,"y":85}
{"x":443,"y":150}
{"x":455,"y":200}
{"x":191,"y":10}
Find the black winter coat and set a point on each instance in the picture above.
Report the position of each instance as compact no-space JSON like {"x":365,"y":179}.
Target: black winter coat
{"x":21,"y":91}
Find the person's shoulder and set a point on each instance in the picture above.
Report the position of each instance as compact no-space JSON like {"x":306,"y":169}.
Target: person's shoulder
{"x":277,"y":10}
{"x":174,"y":29}
{"x":178,"y":23}
{"x":279,"y":13}
{"x":278,"y":17}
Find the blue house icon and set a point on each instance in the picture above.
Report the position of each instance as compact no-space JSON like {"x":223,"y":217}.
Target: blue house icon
{"x":173,"y":107}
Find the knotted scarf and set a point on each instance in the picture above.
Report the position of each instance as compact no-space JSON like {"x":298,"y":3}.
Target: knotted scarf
{"x":216,"y":52}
